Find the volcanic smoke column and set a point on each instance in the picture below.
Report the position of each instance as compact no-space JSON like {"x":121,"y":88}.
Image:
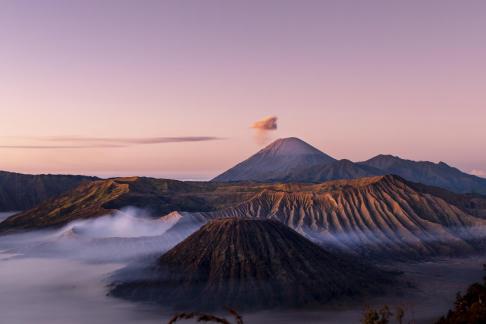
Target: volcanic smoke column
{"x":263,"y":127}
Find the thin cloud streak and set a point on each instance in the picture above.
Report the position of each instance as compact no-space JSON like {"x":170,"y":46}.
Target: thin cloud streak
{"x":129,"y":140}
{"x":108,"y":142}
{"x":47,"y":147}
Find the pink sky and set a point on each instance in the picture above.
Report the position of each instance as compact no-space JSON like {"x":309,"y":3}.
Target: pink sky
{"x":353,"y":78}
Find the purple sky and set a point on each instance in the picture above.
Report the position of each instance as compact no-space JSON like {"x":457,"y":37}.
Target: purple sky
{"x":353,"y":78}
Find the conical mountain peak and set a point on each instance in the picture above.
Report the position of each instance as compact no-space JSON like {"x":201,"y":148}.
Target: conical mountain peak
{"x":276,"y":162}
{"x":248,"y":263}
{"x":291,"y":146}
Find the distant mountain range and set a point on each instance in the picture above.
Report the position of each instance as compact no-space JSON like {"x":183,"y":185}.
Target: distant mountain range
{"x":249,"y":264}
{"x":288,"y":160}
{"x":293,"y":160}
{"x":23,"y":191}
{"x":429,"y":173}
{"x":367,"y":211}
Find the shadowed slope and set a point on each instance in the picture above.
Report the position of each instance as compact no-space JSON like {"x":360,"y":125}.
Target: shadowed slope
{"x":378,"y":215}
{"x":432,"y":174}
{"x":85,"y":201}
{"x":250,"y":264}
{"x":23,"y":191}
{"x":101,"y":197}
{"x":342,"y":169}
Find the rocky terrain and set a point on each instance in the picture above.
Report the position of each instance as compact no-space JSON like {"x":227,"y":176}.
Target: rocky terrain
{"x":375,"y":216}
{"x":23,"y":191}
{"x":383,"y":215}
{"x":250,"y":264}
{"x":102,"y":197}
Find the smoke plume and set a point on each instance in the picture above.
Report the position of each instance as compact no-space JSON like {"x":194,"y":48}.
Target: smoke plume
{"x":263,"y":127}
{"x":266,"y":124}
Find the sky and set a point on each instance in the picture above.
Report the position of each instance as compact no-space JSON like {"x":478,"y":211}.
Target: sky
{"x":172,"y":88}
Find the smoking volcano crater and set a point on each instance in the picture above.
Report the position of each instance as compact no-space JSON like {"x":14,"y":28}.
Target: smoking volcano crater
{"x":248,"y":264}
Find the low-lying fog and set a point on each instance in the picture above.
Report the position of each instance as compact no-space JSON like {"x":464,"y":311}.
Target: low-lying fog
{"x":60,"y":276}
{"x":5,"y":215}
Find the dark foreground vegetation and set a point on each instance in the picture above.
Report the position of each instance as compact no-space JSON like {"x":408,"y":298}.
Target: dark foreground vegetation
{"x":469,"y":308}
{"x":203,"y":317}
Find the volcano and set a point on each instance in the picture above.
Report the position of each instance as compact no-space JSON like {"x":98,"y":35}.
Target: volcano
{"x":276,"y":162}
{"x":250,"y":264}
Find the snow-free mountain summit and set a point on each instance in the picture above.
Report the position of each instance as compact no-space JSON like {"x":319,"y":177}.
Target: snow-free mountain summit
{"x":293,"y":160}
{"x":276,"y":162}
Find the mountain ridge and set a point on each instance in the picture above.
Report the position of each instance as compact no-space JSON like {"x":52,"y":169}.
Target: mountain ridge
{"x":375,"y":216}
{"x":434,"y":174}
{"x":276,"y":168}
{"x":20,"y":191}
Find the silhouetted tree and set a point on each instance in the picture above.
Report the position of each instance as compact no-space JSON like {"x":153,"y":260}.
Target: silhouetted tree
{"x":469,"y":308}
{"x":202,"y":317}
{"x":400,"y":312}
{"x":383,"y":315}
{"x":372,"y":316}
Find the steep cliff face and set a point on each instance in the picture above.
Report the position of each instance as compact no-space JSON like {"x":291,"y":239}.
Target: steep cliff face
{"x":250,"y":264}
{"x":24,"y":191}
{"x":378,"y":215}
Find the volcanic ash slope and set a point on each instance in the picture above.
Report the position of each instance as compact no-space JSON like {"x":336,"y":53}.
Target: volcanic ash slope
{"x":377,"y":216}
{"x":249,"y":264}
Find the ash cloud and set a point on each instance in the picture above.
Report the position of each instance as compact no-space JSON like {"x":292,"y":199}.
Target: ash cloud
{"x":266,"y":124}
{"x":262,"y":128}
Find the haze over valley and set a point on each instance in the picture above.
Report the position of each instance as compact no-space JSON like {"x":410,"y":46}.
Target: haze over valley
{"x":140,"y":239}
{"x":242,"y":162}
